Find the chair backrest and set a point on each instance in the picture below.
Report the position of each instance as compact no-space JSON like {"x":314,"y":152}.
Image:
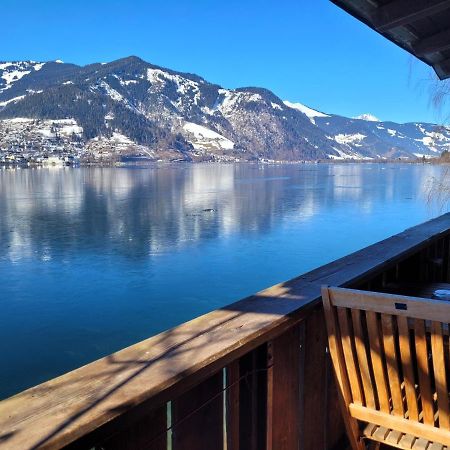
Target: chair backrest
{"x":391,"y":358}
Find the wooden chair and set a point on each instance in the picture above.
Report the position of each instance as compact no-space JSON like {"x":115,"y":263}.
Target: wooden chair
{"x":391,"y":360}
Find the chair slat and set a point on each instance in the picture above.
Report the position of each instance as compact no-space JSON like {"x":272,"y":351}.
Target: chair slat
{"x":420,"y":444}
{"x":423,"y":371}
{"x":407,"y":441}
{"x":349,"y":356}
{"x":435,"y":446}
{"x":437,"y":349}
{"x":381,"y":433}
{"x":362,"y":359}
{"x":369,"y":429}
{"x":377,"y":364}
{"x":408,"y":369}
{"x":393,"y":437}
{"x":391,"y":364}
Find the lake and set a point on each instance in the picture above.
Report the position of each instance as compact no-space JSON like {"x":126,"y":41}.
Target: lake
{"x":96,"y":259}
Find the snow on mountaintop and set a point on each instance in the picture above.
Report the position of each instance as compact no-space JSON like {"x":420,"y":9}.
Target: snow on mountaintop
{"x":368,"y":118}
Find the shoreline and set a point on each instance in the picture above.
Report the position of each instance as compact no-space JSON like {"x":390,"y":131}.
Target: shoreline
{"x":151,"y":163}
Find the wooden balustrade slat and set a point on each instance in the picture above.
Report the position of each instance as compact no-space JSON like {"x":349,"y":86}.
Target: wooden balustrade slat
{"x":314,"y":371}
{"x":197,"y":416}
{"x":283,"y":392}
{"x":253,"y":400}
{"x":334,"y":423}
{"x":232,"y":405}
{"x":148,"y":433}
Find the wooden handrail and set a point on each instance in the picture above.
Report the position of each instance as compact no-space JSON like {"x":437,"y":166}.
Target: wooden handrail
{"x":65,"y":409}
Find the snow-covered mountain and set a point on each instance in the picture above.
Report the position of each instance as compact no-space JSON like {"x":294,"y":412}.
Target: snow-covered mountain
{"x":172,"y":115}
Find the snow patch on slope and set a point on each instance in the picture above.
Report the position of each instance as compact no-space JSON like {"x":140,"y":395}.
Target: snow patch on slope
{"x":309,"y":112}
{"x":12,"y":100}
{"x":305,"y":109}
{"x":203,"y":138}
{"x":353,"y":139}
{"x":14,"y":71}
{"x":158,"y":77}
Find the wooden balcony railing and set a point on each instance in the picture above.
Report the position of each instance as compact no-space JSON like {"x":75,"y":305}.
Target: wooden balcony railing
{"x":253,"y":375}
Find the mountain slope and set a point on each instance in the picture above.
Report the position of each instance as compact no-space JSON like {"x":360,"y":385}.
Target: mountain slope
{"x":174,"y":115}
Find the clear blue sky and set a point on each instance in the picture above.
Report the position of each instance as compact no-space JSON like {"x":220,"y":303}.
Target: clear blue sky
{"x":303,"y":50}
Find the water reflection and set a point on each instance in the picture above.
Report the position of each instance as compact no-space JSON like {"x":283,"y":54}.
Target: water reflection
{"x":142,"y":212}
{"x":94,"y":259}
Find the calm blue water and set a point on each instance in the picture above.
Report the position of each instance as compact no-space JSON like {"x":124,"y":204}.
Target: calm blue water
{"x":95,"y":259}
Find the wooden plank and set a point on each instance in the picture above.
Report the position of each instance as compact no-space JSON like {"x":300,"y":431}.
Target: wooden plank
{"x":314,"y":379}
{"x":149,"y":433}
{"x":408,"y":369}
{"x":349,"y":356}
{"x":440,"y":378}
{"x":197,"y":416}
{"x":377,"y":361}
{"x":158,"y":369}
{"x":362,"y":359}
{"x":393,"y":373}
{"x":232,"y":405}
{"x":433,"y":434}
{"x":423,"y":372}
{"x":397,"y":305}
{"x":402,"y":12}
{"x":253,"y":400}
{"x":284,"y":395}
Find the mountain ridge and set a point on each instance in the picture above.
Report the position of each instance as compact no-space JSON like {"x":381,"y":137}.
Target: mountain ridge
{"x":170,"y":115}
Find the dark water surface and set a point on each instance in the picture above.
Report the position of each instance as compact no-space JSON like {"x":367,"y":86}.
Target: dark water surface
{"x":95,"y":259}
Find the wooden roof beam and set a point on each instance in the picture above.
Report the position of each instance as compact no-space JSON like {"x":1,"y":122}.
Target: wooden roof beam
{"x":443,"y":68}
{"x":403,"y":12}
{"x":432,"y":44}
